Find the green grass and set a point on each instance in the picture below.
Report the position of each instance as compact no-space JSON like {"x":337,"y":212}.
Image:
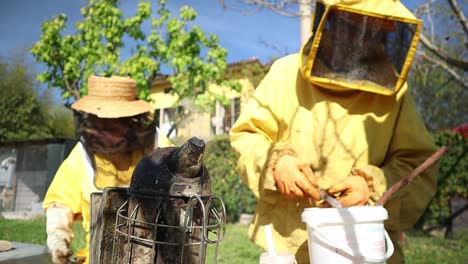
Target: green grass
{"x":423,"y":249}
{"x":236,"y":248}
{"x":27,"y":231}
{"x":34,"y":231}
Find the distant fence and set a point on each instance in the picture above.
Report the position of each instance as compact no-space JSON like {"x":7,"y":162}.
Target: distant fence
{"x":27,"y":169}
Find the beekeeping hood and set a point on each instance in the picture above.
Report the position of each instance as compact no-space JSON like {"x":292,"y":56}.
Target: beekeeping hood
{"x":366,"y":45}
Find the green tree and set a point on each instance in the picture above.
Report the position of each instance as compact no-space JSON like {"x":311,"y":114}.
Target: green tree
{"x":57,"y":116}
{"x":27,"y":110}
{"x":98,"y":43}
{"x":21,"y":116}
{"x":440,"y":100}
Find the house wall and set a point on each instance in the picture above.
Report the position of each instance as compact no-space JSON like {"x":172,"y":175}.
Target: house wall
{"x":196,"y":123}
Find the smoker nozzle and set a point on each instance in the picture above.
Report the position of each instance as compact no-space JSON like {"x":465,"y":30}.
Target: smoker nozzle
{"x":187,"y":160}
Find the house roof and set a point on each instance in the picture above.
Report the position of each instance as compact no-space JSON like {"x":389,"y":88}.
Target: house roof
{"x":162,"y":78}
{"x":243,"y":62}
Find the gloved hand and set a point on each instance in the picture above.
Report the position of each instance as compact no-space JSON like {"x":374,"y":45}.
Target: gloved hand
{"x":59,"y":233}
{"x":354,"y":191}
{"x":60,"y":252}
{"x":294,"y":178}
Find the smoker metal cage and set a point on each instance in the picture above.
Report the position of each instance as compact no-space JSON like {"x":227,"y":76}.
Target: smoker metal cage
{"x":212,"y":230}
{"x":114,"y":230}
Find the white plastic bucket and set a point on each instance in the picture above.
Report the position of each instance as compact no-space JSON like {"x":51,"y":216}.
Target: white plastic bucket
{"x":347,"y":235}
{"x":279,"y":258}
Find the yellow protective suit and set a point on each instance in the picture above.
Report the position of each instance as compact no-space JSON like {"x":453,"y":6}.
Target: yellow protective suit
{"x":76,"y":179}
{"x":334,"y":131}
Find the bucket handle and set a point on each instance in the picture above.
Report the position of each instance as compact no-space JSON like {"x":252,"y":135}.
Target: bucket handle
{"x":350,"y":256}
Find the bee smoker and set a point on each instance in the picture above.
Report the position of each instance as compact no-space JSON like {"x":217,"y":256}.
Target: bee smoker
{"x":167,"y":215}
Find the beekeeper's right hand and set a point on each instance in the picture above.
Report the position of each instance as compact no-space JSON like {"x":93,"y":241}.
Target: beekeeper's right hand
{"x":59,"y":233}
{"x":294,"y":178}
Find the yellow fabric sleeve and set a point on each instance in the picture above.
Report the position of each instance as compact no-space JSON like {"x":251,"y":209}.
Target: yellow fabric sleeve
{"x":411,"y":145}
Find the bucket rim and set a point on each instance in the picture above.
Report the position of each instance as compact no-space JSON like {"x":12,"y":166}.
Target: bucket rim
{"x":354,"y":214}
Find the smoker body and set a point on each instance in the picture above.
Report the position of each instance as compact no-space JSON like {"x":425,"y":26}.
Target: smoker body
{"x":167,"y":215}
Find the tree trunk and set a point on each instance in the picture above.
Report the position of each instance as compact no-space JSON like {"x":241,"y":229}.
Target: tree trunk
{"x":305,"y":9}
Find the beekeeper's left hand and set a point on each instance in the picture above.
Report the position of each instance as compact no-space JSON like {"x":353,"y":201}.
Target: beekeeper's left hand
{"x":353,"y":191}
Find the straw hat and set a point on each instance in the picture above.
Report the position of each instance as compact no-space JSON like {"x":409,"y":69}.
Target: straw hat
{"x":111,"y":97}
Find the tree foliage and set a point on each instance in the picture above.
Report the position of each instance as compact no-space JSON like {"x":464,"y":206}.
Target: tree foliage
{"x":440,"y":100}
{"x":20,"y":112}
{"x":24,"y":112}
{"x":155,"y":39}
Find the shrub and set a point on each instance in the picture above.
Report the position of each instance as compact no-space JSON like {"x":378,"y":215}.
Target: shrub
{"x":221,"y":162}
{"x":451,"y":183}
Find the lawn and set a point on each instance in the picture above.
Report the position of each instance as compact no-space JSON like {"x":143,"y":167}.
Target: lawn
{"x":236,"y":248}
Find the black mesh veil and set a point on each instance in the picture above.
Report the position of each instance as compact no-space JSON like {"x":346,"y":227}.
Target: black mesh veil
{"x":110,"y":135}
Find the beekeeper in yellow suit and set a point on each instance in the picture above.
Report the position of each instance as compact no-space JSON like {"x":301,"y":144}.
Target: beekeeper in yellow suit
{"x":115,"y":130}
{"x":337,"y":117}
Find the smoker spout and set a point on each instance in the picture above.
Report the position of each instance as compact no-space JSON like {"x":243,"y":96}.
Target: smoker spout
{"x":175,"y":171}
{"x":186,"y":161}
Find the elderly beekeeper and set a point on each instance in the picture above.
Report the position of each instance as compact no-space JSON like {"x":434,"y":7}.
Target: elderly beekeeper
{"x":115,"y":130}
{"x":337,"y":117}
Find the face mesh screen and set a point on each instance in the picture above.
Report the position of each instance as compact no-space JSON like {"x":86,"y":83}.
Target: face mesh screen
{"x":361,"y":49}
{"x":110,"y":135}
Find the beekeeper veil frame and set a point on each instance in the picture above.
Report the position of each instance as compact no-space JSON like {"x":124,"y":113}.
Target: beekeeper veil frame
{"x":362,"y":45}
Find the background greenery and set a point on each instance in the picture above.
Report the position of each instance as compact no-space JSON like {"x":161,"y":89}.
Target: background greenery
{"x":221,"y":162}
{"x":451,"y":184}
{"x":27,"y":112}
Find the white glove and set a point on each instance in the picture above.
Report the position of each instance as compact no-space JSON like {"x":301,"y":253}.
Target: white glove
{"x":59,"y":233}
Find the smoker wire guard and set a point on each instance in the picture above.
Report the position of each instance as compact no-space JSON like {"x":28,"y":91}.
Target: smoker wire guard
{"x":108,"y":207}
